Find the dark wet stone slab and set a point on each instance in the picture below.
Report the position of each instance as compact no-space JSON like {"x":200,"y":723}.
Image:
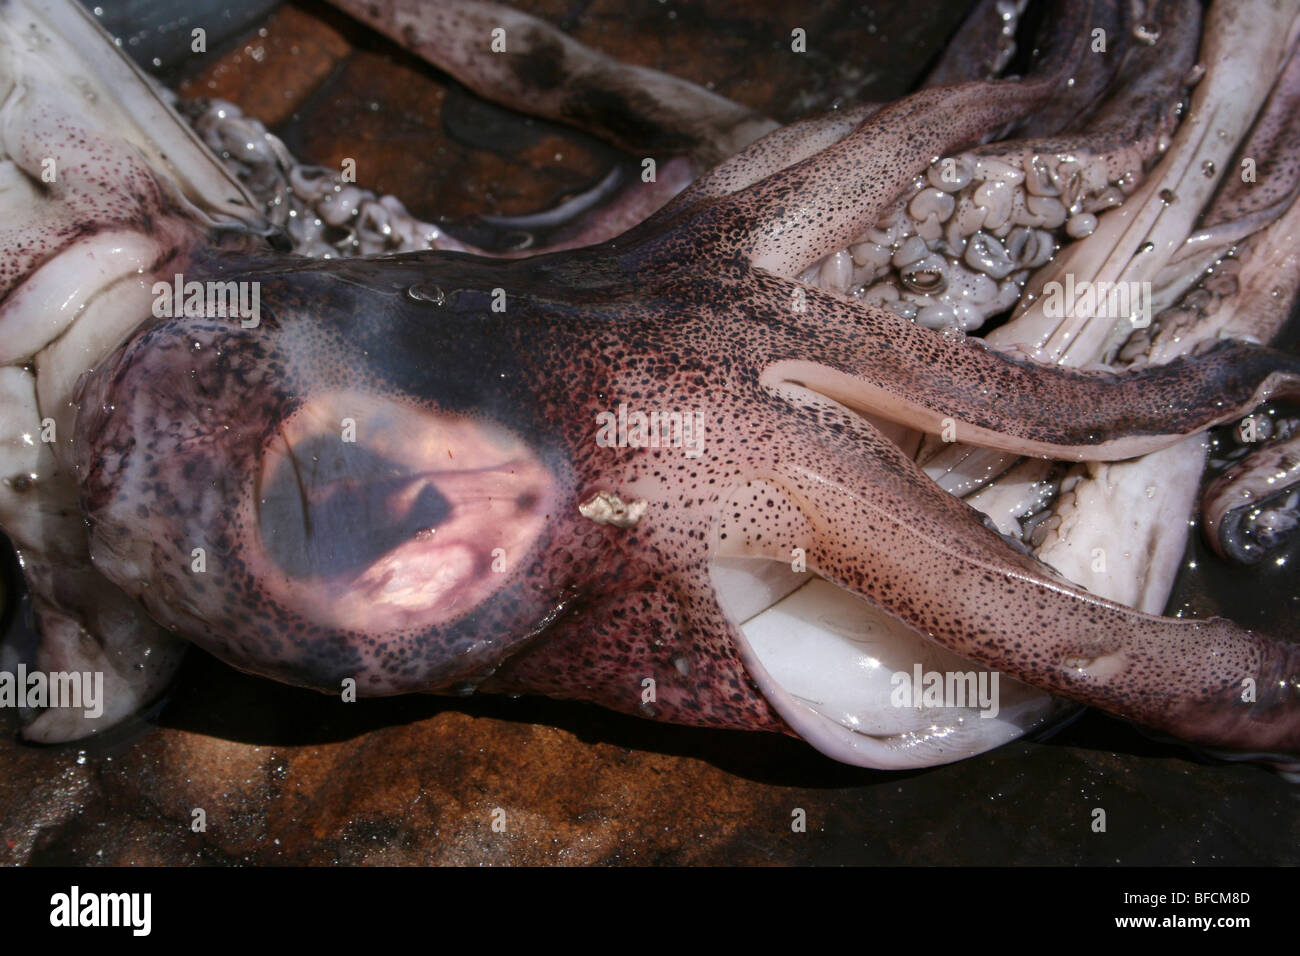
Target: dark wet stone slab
{"x":288,"y":776}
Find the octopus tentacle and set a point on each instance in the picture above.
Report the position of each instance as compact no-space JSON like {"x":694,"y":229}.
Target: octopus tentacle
{"x":778,"y":150}
{"x":632,"y":107}
{"x":1096,"y":76}
{"x":1246,"y":296}
{"x":789,"y":220}
{"x":983,"y":46}
{"x":876,"y":361}
{"x":958,"y":247}
{"x":1146,"y":62}
{"x":1244,"y":200}
{"x":1242,"y":49}
{"x":886,"y":533}
{"x":1251,"y":508}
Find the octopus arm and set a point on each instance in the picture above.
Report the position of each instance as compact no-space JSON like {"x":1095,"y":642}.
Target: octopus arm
{"x":883,"y":531}
{"x":877,"y":362}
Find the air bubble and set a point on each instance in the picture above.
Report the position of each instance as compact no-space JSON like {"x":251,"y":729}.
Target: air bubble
{"x":430,"y":294}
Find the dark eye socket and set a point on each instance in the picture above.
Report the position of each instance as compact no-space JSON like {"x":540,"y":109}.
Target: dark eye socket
{"x":333,"y":507}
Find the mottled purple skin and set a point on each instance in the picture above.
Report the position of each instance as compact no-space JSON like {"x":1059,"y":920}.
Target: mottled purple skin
{"x":101,"y":187}
{"x":689,"y":311}
{"x":170,"y":439}
{"x":1271,"y":150}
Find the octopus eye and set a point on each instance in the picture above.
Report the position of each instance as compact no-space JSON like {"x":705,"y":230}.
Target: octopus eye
{"x":332,"y":508}
{"x":925,"y":281}
{"x":373,"y":513}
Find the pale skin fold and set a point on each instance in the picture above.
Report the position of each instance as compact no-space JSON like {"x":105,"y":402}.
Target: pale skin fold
{"x":203,"y":433}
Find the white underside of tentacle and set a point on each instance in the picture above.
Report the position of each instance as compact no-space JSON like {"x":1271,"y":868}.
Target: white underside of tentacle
{"x":75,"y":117}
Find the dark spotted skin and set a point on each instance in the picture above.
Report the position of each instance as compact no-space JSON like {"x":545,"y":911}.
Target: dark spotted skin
{"x":641,"y":110}
{"x":173,"y":428}
{"x":694,"y":311}
{"x":185,"y":489}
{"x":101,"y":188}
{"x":1277,"y":167}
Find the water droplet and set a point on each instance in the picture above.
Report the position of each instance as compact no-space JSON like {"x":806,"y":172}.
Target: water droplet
{"x":427,"y":293}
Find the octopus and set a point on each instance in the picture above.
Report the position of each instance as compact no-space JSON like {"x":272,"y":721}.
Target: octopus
{"x":882,"y":428}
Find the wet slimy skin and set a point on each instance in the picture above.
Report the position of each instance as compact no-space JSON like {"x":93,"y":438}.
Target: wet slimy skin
{"x":401,"y":473}
{"x":182,"y":431}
